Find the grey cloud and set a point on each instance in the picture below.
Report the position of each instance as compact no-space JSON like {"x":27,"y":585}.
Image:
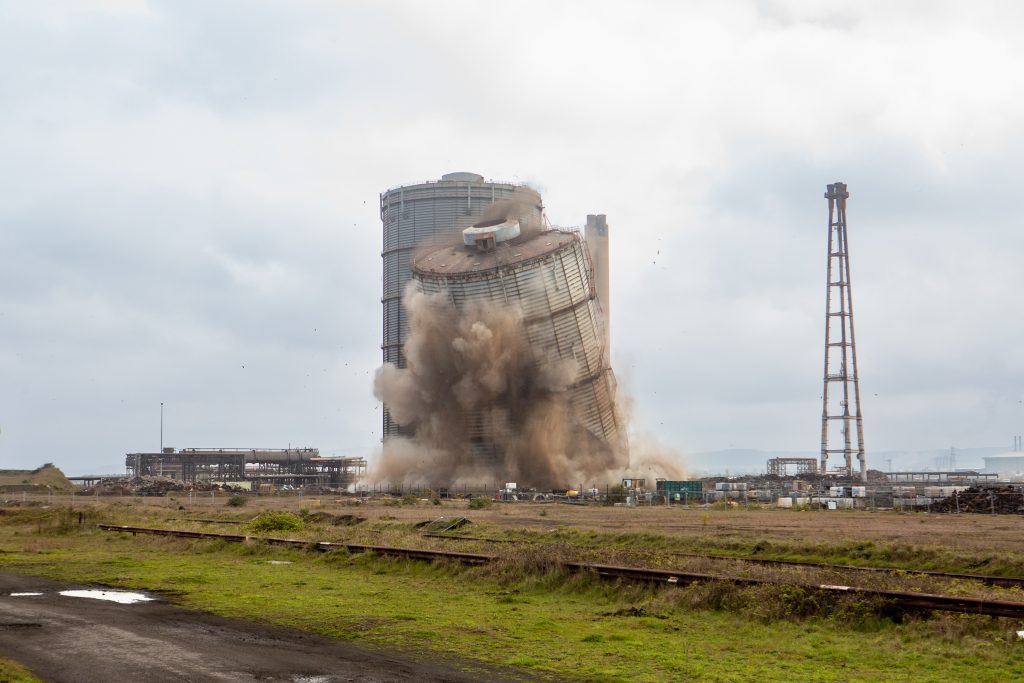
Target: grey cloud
{"x":193,"y":188}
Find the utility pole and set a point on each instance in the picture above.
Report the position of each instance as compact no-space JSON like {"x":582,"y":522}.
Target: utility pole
{"x":840,"y":346}
{"x":160,"y":458}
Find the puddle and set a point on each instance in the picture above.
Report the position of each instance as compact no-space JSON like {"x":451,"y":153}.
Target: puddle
{"x":123,"y":597}
{"x":313,"y":679}
{"x":24,"y":595}
{"x":280,"y":562}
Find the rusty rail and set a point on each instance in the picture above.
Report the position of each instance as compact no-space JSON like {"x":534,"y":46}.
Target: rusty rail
{"x":920,"y":601}
{"x":987,"y":579}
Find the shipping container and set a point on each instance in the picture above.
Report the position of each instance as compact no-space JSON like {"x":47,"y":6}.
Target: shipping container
{"x":688,"y":486}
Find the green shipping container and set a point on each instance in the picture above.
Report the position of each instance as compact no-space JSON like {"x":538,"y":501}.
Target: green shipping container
{"x":688,"y":486}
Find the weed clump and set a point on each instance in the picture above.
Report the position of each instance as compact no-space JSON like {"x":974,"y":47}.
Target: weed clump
{"x":479,"y":503}
{"x":407,"y":499}
{"x":237,"y":501}
{"x":276,"y":521}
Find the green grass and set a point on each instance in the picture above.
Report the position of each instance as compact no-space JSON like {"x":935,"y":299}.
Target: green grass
{"x":276,"y":521}
{"x":12,"y":672}
{"x":560,"y":627}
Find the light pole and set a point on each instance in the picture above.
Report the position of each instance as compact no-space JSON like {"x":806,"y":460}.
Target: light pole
{"x":160,"y":457}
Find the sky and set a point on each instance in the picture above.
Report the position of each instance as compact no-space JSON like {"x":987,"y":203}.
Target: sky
{"x":189,"y":209}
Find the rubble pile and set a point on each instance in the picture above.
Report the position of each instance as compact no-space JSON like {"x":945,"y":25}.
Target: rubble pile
{"x":1000,"y":500}
{"x":152,"y":486}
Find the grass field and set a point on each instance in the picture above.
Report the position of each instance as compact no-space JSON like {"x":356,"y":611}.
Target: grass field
{"x":521,"y":613}
{"x":12,"y":672}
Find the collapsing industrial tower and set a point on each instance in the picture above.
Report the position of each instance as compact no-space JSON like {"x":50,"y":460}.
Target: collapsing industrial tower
{"x":495,"y":339}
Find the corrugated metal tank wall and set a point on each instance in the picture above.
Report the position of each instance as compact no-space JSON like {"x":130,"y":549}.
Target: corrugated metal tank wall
{"x":415,"y":214}
{"x":561,"y":317}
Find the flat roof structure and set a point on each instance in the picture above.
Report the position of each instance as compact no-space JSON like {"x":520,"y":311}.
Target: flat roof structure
{"x":294,"y":466}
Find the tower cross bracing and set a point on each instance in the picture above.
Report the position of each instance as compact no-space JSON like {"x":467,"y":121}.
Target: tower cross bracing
{"x":841,"y":391}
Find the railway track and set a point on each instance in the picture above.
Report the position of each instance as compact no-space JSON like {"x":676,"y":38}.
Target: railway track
{"x":904,"y":600}
{"x":987,"y":579}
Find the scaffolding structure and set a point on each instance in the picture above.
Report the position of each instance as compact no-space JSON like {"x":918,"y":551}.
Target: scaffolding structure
{"x":779,"y":466}
{"x":842,"y":405}
{"x":298,"y":467}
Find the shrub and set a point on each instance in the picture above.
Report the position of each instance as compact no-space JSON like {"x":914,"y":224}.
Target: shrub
{"x":237,"y":501}
{"x":276,"y":521}
{"x":479,"y":503}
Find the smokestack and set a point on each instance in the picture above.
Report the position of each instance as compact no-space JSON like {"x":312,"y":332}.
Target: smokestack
{"x":596,"y":234}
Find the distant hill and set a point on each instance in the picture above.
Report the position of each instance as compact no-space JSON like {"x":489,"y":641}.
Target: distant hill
{"x":42,"y":479}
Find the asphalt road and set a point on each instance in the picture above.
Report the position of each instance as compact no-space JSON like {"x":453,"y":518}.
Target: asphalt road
{"x":74,"y":639}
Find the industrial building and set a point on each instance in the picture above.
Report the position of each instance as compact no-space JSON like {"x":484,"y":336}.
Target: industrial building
{"x":416,"y":215}
{"x":1008,"y":466}
{"x":298,"y":467}
{"x":547,"y":274}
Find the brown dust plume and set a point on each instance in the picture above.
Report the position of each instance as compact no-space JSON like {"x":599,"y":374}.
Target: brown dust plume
{"x":481,"y":406}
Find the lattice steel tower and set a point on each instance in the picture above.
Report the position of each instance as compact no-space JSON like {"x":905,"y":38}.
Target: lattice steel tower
{"x":842,"y":405}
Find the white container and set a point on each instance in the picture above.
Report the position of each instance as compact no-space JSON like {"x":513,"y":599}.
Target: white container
{"x":860,"y":491}
{"x":784,"y":503}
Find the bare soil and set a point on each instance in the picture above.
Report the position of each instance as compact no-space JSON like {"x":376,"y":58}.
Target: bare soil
{"x":77,"y":639}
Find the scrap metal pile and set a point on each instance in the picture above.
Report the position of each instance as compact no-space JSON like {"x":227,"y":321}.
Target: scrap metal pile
{"x":997,"y":500}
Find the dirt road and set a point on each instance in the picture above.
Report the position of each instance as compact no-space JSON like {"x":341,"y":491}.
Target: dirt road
{"x":77,"y":639}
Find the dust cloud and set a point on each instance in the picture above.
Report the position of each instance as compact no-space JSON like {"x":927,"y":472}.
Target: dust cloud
{"x":521,"y":205}
{"x":480,"y":405}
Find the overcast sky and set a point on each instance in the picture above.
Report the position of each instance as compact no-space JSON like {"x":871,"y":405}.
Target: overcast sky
{"x":189,"y":208}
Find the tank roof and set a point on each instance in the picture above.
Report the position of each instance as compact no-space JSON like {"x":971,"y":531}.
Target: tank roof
{"x":463,"y":177}
{"x":460,"y":259}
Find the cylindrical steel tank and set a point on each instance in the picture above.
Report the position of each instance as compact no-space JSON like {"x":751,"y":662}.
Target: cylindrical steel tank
{"x":547,"y":274}
{"x":412,"y":216}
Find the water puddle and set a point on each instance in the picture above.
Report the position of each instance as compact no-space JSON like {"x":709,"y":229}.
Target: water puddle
{"x":24,"y":595}
{"x":123,"y":597}
{"x":279,"y":562}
